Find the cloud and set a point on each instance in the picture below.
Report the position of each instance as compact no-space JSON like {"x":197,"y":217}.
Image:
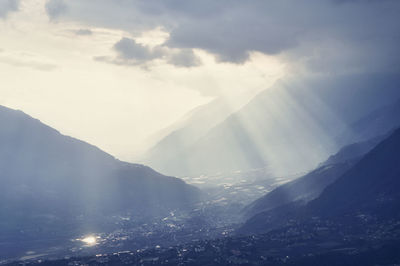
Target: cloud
{"x":7,"y":6}
{"x":129,"y":49}
{"x":308,"y":32}
{"x":83,"y":32}
{"x":33,"y":64}
{"x":184,"y":58}
{"x":130,"y":52}
{"x":56,"y":8}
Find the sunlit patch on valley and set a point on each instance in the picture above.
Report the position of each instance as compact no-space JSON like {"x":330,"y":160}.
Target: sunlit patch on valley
{"x":89,"y":240}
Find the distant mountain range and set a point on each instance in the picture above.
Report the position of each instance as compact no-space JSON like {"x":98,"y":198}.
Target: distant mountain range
{"x":370,"y":188}
{"x":51,"y":180}
{"x":181,"y":135}
{"x":287,"y":128}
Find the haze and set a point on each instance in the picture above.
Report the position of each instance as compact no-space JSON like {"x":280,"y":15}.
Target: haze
{"x":115,"y":73}
{"x":50,"y":69}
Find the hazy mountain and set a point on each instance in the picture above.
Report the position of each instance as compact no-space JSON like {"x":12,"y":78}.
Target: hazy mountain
{"x":371,"y":187}
{"x":376,"y":123}
{"x":194,"y":125}
{"x":352,"y":151}
{"x":52,"y":178}
{"x":368,"y":189}
{"x":311,"y":185}
{"x":303,"y":189}
{"x":189,"y":129}
{"x":288,"y":127}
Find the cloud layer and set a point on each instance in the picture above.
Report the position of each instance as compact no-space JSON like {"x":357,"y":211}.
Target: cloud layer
{"x":56,"y":8}
{"x":360,"y":35}
{"x":7,"y":6}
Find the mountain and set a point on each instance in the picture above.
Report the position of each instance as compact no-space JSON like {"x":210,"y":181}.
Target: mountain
{"x":355,"y":150}
{"x":188,"y":130}
{"x":371,"y":187}
{"x":303,"y":189}
{"x":376,"y":123}
{"x":310,"y":186}
{"x":51,"y":180}
{"x":194,"y":125}
{"x":368,"y":189}
{"x":287,"y":128}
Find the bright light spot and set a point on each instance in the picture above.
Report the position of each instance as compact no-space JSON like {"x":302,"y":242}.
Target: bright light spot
{"x":89,"y":240}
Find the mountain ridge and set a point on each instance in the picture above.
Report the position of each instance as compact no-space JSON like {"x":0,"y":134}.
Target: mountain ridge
{"x":370,"y":188}
{"x":287,"y":128}
{"x":47,"y":174}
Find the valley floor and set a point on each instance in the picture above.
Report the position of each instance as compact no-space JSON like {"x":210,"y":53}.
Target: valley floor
{"x":319,"y":242}
{"x":217,"y":216}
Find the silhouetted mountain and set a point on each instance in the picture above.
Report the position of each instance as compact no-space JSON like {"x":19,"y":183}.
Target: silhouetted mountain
{"x":371,"y":188}
{"x":47,"y":178}
{"x":288,"y":127}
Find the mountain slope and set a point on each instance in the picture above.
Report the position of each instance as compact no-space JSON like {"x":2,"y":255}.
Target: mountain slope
{"x":311,"y":185}
{"x":372,"y":185}
{"x":370,"y":189}
{"x":288,"y":127}
{"x":189,"y":130}
{"x":378,"y":122}
{"x":195,"y":124}
{"x":354,"y":150}
{"x":303,"y":189}
{"x":45,"y":174}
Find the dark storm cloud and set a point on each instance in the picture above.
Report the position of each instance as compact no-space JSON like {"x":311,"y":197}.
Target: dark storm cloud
{"x":331,"y":33}
{"x":366,"y":29}
{"x":7,"y":6}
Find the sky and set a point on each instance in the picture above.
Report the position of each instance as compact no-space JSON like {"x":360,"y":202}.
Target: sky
{"x":115,"y":72}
